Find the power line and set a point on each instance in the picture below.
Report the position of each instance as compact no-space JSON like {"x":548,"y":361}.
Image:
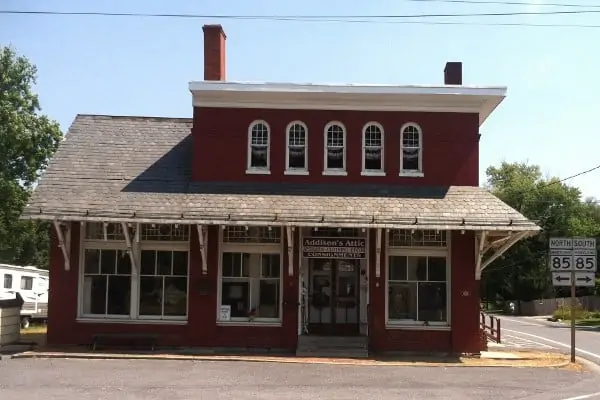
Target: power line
{"x":342,"y":19}
{"x":509,"y":3}
{"x":297,"y":17}
{"x":587,"y":171}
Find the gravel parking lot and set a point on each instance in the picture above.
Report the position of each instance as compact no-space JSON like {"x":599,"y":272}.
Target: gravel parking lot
{"x":149,"y":379}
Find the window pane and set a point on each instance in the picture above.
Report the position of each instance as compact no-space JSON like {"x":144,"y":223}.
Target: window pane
{"x":373,"y":158}
{"x":258,"y":156}
{"x":119,"y":295}
{"x":148,"y":262}
{"x":402,"y":301}
{"x":297,"y":157}
{"x":7,"y":281}
{"x":410,"y":159}
{"x":271,"y":266}
{"x":335,"y":158}
{"x":432,"y":301}
{"x":437,"y":269}
{"x":94,"y":295}
{"x":108,"y":259}
{"x":123,"y":263}
{"x":417,"y":268}
{"x":231,"y":263}
{"x":92,"y":261}
{"x":269,"y":299}
{"x":180,"y":263}
{"x":175,"y":297}
{"x":397,"y":267}
{"x":236,"y":295}
{"x":151,"y":295}
{"x":164,"y":261}
{"x":26,"y":283}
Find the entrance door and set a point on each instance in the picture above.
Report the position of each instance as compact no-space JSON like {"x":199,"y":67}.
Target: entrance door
{"x":334,"y":297}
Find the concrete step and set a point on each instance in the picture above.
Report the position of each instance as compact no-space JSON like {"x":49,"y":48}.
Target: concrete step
{"x":332,"y":346}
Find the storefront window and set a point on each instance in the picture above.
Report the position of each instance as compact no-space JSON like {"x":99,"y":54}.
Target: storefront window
{"x":111,"y":288}
{"x":417,"y":279}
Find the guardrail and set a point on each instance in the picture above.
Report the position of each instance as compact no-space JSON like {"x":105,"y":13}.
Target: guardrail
{"x":492,"y":330}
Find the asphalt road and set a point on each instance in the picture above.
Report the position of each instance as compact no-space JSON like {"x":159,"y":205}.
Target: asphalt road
{"x":539,"y":333}
{"x":66,"y":379}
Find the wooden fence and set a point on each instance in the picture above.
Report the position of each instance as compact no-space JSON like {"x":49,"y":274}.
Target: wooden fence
{"x":492,"y":329}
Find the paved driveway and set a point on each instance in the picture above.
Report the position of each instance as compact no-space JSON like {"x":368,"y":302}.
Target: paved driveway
{"x":150,"y":379}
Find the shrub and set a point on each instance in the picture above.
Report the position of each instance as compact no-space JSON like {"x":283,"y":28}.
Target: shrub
{"x":564,"y":312}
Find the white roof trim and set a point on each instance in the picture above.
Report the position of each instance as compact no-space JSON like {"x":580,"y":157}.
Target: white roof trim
{"x":420,"y":98}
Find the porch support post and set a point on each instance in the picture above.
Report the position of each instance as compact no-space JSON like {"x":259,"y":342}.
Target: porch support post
{"x":507,"y":245}
{"x":479,"y":255}
{"x":290,"y":249}
{"x":64,"y":241}
{"x":202,"y":234}
{"x":378,"y":252}
{"x":129,"y":244}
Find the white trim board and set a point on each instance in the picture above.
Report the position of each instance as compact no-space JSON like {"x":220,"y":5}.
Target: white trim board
{"x":481,"y":100}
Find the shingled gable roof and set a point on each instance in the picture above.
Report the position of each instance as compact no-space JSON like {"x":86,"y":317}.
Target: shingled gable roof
{"x":113,"y":168}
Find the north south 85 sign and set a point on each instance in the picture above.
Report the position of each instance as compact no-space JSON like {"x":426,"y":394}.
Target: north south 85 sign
{"x":584,"y":262}
{"x":561,"y":262}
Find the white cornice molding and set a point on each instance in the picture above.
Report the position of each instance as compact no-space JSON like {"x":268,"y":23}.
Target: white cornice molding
{"x":458,"y":99}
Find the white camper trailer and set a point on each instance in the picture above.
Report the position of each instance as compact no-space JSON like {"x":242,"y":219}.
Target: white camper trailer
{"x":32,"y":284}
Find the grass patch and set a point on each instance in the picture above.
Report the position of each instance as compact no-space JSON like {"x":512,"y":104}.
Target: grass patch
{"x":581,"y":315}
{"x":588,"y":322}
{"x":35,"y":333}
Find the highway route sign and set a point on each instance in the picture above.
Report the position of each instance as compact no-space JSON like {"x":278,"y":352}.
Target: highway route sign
{"x":573,"y":254}
{"x":562,"y":278}
{"x":585,"y":279}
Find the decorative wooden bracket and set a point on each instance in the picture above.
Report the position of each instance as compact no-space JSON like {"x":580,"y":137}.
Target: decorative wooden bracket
{"x":129,"y":244}
{"x":290,"y":249}
{"x":507,"y":242}
{"x":378,"y":252}
{"x":64,"y":241}
{"x":202,"y":236}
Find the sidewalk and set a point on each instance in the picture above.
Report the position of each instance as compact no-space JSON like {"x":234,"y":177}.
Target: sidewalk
{"x":493,"y":358}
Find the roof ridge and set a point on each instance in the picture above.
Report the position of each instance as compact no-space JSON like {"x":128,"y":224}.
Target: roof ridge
{"x":143,"y":117}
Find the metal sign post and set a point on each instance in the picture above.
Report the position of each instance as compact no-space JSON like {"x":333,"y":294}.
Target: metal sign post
{"x":573,"y":264}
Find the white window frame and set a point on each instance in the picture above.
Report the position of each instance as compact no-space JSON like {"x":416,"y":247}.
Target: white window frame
{"x":335,"y":171}
{"x":288,"y":169}
{"x":411,"y":173}
{"x":133,"y":317}
{"x":258,"y":170}
{"x":419,"y":251}
{"x":373,"y":172}
{"x":253,"y":248}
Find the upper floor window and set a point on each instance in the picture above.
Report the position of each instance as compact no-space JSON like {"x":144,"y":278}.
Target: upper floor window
{"x":8,"y":281}
{"x":335,"y":149}
{"x":258,"y":148}
{"x":296,"y":152}
{"x":411,"y":151}
{"x":372,"y":149}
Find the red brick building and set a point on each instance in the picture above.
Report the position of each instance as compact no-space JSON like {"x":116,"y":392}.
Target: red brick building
{"x":279,"y":212}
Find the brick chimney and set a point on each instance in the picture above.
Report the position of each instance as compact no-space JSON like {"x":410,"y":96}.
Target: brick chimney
{"x":214,"y":53}
{"x":453,"y":73}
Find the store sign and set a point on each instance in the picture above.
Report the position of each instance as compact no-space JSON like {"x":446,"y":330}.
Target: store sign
{"x":318,"y":247}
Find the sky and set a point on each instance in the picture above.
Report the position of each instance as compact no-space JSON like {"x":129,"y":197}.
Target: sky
{"x":142,"y":66}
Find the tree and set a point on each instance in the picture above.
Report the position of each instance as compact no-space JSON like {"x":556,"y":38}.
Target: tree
{"x":522,"y":273}
{"x":27,"y":141}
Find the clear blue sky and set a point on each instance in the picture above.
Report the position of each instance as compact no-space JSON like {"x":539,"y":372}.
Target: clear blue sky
{"x":141,"y":66}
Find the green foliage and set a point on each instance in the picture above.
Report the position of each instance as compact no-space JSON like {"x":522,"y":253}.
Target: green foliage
{"x":597,"y":288}
{"x":564,"y":313}
{"x":522,"y":273}
{"x":27,"y":141}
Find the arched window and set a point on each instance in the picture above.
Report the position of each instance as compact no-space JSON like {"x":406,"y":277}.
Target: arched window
{"x":296,"y":154}
{"x":335,"y":149}
{"x":372,"y":145}
{"x":258,"y":148}
{"x":411,"y":150}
